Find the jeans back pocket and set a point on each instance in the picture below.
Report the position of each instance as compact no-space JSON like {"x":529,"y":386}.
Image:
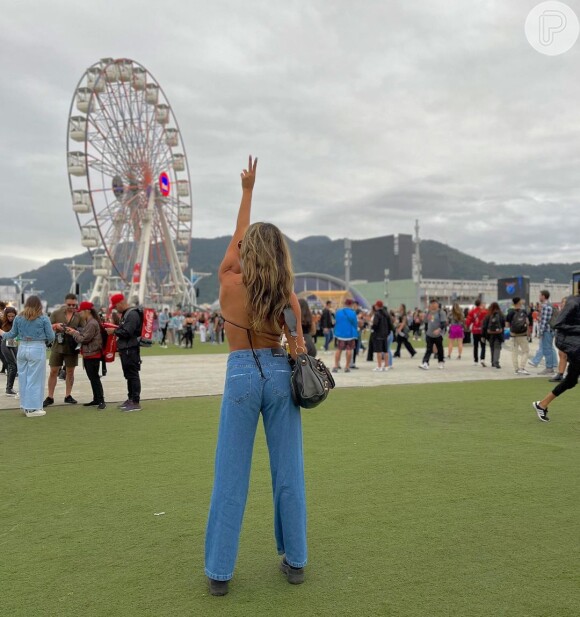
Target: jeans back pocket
{"x":238,"y":387}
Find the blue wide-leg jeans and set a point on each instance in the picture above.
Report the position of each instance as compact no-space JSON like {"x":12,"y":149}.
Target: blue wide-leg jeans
{"x":31,"y":361}
{"x":246,"y":394}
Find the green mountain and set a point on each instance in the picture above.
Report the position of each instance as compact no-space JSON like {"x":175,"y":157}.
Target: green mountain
{"x":312,"y":254}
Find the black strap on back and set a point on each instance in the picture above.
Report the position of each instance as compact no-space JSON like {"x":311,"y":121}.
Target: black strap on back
{"x":248,"y":332}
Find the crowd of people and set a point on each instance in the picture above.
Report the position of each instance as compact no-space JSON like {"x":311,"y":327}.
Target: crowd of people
{"x":71,"y":331}
{"x":345,"y":331}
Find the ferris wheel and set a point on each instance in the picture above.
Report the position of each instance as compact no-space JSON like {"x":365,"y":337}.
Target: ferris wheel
{"x":130,"y":186}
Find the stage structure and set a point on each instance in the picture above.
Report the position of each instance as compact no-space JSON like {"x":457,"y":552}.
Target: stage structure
{"x":130,"y":185}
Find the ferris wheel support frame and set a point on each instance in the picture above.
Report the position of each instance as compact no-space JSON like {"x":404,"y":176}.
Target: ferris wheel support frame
{"x":139,"y":287}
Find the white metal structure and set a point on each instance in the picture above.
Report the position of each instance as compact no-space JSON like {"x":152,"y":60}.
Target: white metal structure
{"x":130,"y":186}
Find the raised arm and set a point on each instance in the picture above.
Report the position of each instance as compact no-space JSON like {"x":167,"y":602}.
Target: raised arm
{"x":231,"y":260}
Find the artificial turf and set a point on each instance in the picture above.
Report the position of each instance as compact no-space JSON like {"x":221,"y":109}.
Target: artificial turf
{"x":431,"y":500}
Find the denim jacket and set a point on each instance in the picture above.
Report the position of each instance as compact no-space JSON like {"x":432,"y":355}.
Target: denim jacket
{"x":38,"y":329}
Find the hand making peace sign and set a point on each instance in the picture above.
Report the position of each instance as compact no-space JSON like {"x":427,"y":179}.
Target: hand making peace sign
{"x":249,"y":175}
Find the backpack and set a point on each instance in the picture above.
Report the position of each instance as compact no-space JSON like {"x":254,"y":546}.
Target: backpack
{"x":554,"y":317}
{"x":143,"y":342}
{"x":519,"y":322}
{"x":494,"y":325}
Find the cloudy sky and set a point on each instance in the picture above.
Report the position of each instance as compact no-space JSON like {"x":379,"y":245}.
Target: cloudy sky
{"x":365,"y":116}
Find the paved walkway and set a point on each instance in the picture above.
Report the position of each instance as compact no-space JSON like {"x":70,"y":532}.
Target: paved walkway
{"x":177,"y":376}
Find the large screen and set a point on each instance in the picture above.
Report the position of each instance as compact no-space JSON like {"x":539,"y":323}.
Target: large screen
{"x":514,"y":286}
{"x":576,"y":283}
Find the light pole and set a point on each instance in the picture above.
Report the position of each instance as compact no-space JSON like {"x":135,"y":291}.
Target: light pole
{"x":21,"y":285}
{"x":347,"y":261}
{"x":75,"y":271}
{"x":417,"y":270}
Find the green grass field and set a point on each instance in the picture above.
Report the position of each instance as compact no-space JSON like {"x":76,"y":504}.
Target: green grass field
{"x":435,"y":500}
{"x":174,"y":350}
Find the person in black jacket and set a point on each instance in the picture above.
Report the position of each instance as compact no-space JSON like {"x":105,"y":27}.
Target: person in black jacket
{"x":306,"y":319}
{"x":493,"y":331}
{"x":382,"y":325}
{"x":128,"y":334}
{"x":327,"y":324}
{"x":567,"y":327}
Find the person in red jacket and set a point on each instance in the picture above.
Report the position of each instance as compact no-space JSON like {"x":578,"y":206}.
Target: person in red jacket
{"x":474,"y":322}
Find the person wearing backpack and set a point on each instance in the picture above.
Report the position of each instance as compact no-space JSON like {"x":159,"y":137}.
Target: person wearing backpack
{"x":546,"y":336}
{"x":91,"y":339}
{"x":493,"y":331}
{"x":518,"y":322}
{"x":567,"y":327}
{"x":128,"y":334}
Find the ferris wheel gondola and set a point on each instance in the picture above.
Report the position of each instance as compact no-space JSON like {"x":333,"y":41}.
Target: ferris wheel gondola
{"x":130,"y":184}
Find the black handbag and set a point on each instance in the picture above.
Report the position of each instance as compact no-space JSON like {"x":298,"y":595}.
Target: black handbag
{"x":311,"y":381}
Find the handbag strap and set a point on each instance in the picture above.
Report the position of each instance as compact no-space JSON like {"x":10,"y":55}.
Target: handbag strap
{"x":291,"y":322}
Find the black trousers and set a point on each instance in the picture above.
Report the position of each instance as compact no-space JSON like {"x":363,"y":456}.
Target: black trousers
{"x":477,"y":341}
{"x":370,"y":348}
{"x":495,"y":342}
{"x":571,"y":379}
{"x":438,"y":342}
{"x":188,"y":337}
{"x":131,"y":363}
{"x":404,"y":340}
{"x":164,"y":330}
{"x":92,"y":366}
{"x":9,"y":358}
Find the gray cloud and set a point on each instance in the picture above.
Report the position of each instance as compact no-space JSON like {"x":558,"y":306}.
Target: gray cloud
{"x":364,"y":116}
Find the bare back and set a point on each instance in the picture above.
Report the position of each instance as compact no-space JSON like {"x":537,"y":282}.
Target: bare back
{"x":233,"y":307}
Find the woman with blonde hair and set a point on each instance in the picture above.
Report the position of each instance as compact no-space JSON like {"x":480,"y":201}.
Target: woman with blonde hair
{"x":34,"y":331}
{"x":456,"y":330}
{"x":256,"y":285}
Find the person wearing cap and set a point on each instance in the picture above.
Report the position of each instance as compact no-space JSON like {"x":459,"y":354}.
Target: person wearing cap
{"x":64,"y":349}
{"x":91,"y":339}
{"x":128,"y":333}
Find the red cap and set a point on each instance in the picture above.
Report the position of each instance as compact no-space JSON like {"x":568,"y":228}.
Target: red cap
{"x":348,"y":302}
{"x":379,"y":304}
{"x":85,"y":306}
{"x":115,"y":299}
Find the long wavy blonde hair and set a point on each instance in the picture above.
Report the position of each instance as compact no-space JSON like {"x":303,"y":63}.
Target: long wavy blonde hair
{"x":32,"y":308}
{"x":267,"y":275}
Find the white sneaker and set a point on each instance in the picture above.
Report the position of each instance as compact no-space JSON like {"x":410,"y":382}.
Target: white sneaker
{"x":385,"y":369}
{"x":424,"y":366}
{"x":377,"y":369}
{"x":523,"y":371}
{"x":441,"y":365}
{"x":35,"y":413}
